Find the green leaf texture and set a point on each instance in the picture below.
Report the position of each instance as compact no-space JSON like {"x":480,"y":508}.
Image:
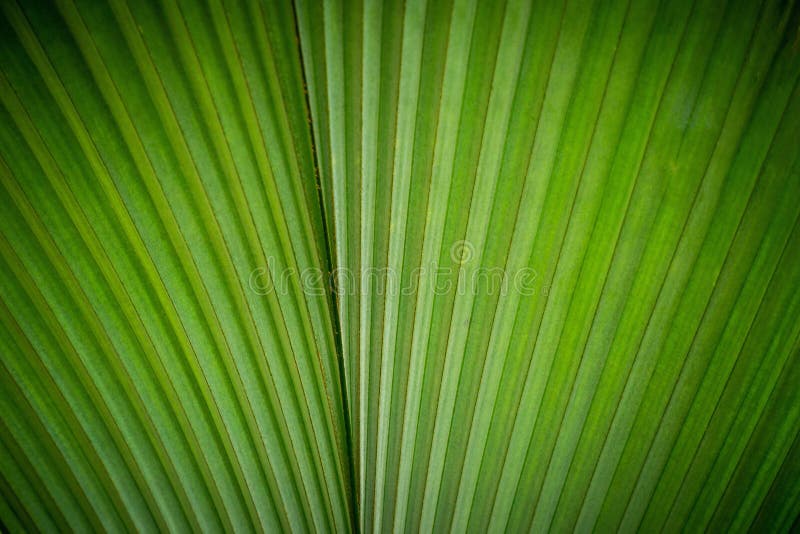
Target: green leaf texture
{"x":399,"y":265}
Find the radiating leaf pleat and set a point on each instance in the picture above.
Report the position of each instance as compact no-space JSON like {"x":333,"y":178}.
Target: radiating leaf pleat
{"x":619,"y":158}
{"x":399,"y":265}
{"x":164,"y":192}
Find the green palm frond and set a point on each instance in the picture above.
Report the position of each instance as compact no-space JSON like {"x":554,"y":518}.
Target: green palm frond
{"x":399,"y":265}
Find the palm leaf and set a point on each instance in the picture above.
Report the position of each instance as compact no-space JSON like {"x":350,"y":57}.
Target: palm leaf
{"x":399,"y":265}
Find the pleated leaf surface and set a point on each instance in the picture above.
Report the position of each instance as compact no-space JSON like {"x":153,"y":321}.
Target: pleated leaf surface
{"x":399,"y":265}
